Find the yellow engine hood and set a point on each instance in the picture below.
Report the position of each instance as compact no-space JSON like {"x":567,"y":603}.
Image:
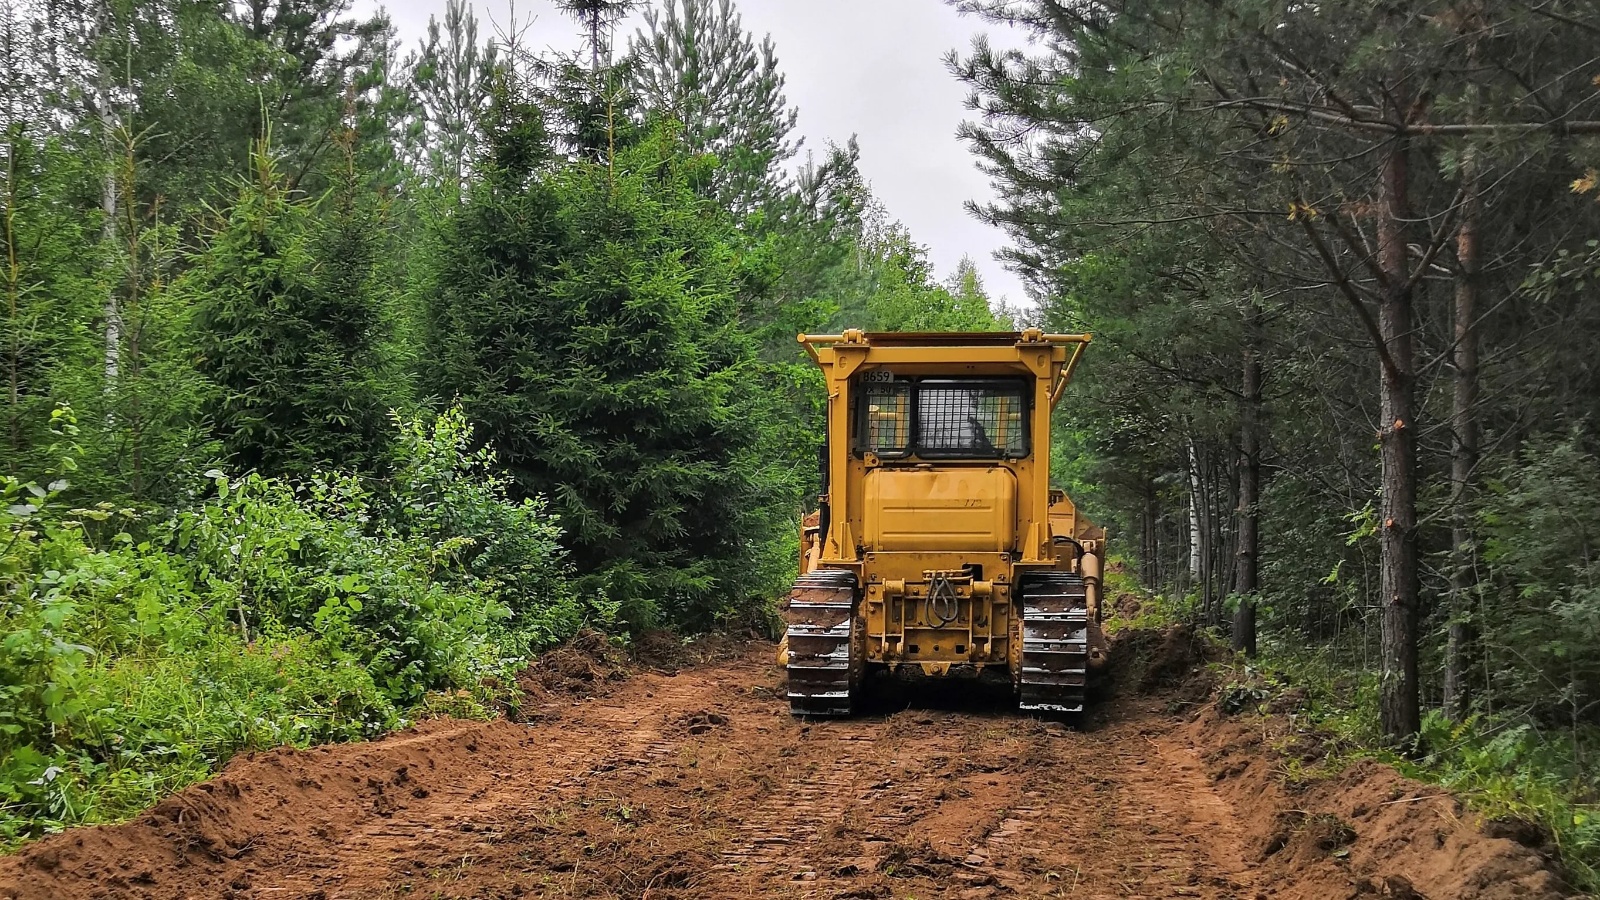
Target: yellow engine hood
{"x":940,"y":509}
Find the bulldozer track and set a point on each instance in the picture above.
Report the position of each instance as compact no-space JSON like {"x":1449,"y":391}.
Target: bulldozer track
{"x":1055,"y":644}
{"x":823,"y":663}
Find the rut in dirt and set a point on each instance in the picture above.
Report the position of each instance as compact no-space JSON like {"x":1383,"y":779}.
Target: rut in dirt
{"x":700,"y":785}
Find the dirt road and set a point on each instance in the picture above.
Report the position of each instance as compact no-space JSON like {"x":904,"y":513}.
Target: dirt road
{"x":700,"y":785}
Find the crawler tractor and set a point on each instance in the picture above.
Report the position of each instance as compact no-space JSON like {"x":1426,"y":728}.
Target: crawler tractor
{"x":939,"y":548}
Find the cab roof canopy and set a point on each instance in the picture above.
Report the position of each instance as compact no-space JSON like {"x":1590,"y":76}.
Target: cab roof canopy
{"x":943,"y":338}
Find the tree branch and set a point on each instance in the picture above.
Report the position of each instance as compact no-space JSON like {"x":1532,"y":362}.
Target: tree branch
{"x":1342,"y":281}
{"x":1419,"y":129}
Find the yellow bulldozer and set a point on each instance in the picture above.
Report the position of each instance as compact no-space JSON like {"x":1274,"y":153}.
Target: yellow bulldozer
{"x":939,"y":548}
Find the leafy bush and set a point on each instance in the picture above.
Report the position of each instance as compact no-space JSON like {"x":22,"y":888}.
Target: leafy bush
{"x":1515,"y":770}
{"x":137,"y":658}
{"x":1542,"y":522}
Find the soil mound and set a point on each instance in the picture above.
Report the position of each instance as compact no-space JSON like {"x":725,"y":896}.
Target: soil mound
{"x":584,"y":666}
{"x":219,"y":838}
{"x":1169,"y":660}
{"x":670,"y":652}
{"x":1363,"y":831}
{"x":700,"y":785}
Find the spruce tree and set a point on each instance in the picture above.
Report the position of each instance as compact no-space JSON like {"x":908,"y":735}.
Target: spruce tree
{"x":49,"y":290}
{"x":287,"y":322}
{"x":584,"y":315}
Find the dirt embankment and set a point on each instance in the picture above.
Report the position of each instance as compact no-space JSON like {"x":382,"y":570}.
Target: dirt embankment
{"x":1364,"y":831}
{"x":699,"y":785}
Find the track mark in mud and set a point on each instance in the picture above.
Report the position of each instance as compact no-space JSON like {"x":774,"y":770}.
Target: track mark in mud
{"x":698,"y":785}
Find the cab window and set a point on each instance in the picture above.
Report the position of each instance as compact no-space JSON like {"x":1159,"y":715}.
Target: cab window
{"x":941,"y":418}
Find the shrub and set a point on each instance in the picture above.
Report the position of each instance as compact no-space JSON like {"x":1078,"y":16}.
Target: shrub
{"x":137,"y":658}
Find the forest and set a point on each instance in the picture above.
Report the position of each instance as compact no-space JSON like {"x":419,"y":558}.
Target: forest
{"x":345,"y":376}
{"x":1341,"y":260}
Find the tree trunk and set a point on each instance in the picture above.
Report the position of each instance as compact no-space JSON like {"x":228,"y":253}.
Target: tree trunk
{"x":13,"y":306}
{"x":1194,"y":517}
{"x":108,"y":238}
{"x":1398,"y":699}
{"x":106,"y":111}
{"x":1464,"y":445}
{"x":1149,"y":571}
{"x":1246,"y":559}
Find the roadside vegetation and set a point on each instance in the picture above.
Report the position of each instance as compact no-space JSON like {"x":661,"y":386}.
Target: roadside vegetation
{"x":1340,"y":260}
{"x":323,"y":414}
{"x":339,"y":378}
{"x":1526,"y":780}
{"x":143,"y":648}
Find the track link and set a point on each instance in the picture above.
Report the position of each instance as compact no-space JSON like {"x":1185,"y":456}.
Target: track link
{"x":821,"y":641}
{"x":1055,"y":644}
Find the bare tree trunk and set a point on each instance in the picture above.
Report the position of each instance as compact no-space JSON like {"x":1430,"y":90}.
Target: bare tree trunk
{"x":13,"y":306}
{"x":1151,"y":559}
{"x":1464,"y":448}
{"x":108,"y":238}
{"x":1247,"y":559}
{"x":106,"y":111}
{"x":1194,"y":517}
{"x":1398,"y":699}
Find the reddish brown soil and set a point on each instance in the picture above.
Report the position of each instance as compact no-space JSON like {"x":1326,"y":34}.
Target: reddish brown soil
{"x":699,"y":785}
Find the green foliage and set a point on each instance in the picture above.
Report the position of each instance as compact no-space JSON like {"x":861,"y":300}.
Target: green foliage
{"x":1123,"y":590}
{"x":586,"y":319}
{"x":1501,"y":766}
{"x":1514,"y":770}
{"x":1238,"y":696}
{"x":1541,"y":523}
{"x":286,"y":317}
{"x":612,"y":300}
{"x":49,"y":289}
{"x":136,"y":658}
{"x":698,"y":66}
{"x":449,"y":493}
{"x":452,"y":76}
{"x":904,"y":296}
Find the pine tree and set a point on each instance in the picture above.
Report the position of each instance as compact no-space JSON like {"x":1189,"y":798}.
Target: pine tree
{"x":904,"y":295}
{"x":451,"y":80}
{"x":699,"y":66}
{"x":1334,"y":154}
{"x":319,"y":58}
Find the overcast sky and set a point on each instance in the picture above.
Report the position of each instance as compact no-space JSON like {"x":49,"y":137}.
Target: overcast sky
{"x":872,"y":68}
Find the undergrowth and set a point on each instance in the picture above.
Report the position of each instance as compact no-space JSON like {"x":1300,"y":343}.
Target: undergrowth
{"x":1129,"y":604}
{"x":141,"y":649}
{"x":1501,"y":767}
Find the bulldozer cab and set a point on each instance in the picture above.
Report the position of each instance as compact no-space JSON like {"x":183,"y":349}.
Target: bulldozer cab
{"x":937,"y":526}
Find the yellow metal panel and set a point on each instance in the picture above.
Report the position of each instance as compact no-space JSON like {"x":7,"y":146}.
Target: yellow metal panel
{"x":953,"y":508}
{"x":1048,"y":358}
